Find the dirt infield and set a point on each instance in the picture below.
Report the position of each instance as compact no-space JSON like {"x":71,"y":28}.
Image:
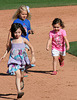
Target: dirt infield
{"x":40,"y":85}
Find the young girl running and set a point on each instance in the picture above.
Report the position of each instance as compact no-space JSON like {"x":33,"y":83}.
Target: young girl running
{"x":18,"y":57}
{"x":22,"y":16}
{"x":58,"y":38}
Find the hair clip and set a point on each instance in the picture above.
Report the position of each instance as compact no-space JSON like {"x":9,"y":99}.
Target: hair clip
{"x":28,"y":9}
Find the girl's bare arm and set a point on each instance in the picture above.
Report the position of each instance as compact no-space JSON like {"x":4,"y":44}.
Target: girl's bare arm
{"x":32,"y":49}
{"x":67,"y":43}
{"x":6,"y":52}
{"x":48,"y":43}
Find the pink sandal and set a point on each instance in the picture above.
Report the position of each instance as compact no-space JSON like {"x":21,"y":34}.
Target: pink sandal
{"x":54,"y":73}
{"x":61,"y":62}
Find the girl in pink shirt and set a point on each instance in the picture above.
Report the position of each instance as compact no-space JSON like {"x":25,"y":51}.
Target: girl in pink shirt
{"x":58,"y":38}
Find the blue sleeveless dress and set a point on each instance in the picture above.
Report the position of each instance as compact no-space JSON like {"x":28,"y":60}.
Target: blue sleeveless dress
{"x":18,"y":58}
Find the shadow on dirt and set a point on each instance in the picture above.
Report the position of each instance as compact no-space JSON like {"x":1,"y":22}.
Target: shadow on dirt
{"x":45,"y":72}
{"x":6,"y":96}
{"x":4,"y":74}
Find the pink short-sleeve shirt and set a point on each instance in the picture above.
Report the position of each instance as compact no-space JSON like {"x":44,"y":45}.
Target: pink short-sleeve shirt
{"x":58,"y":39}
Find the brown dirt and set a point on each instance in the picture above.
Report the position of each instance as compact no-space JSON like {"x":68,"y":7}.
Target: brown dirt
{"x":40,"y":85}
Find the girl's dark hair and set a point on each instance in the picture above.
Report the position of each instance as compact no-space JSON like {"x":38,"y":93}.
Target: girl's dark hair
{"x":58,"y":20}
{"x":14,"y":27}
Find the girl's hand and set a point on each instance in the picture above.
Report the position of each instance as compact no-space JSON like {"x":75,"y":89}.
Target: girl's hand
{"x":67,"y":43}
{"x":47,"y":48}
{"x":1,"y":58}
{"x":33,"y":60}
{"x":68,"y":47}
{"x":4,"y":55}
{"x":31,"y":32}
{"x":48,"y":44}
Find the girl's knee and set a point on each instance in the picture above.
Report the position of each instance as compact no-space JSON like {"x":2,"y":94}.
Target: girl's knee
{"x":18,"y":74}
{"x":55,"y":58}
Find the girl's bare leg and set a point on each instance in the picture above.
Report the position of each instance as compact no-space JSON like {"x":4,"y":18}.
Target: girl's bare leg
{"x":55,"y":60}
{"x":22,"y":75}
{"x":18,"y":77}
{"x":62,"y":58}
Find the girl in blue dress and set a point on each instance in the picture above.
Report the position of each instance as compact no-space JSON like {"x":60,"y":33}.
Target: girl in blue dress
{"x":18,"y":57}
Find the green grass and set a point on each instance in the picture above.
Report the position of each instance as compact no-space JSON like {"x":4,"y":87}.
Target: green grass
{"x":14,"y":4}
{"x":73,"y":48}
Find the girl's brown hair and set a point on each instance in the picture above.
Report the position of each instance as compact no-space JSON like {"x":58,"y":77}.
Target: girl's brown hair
{"x":58,"y":20}
{"x":14,"y":27}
